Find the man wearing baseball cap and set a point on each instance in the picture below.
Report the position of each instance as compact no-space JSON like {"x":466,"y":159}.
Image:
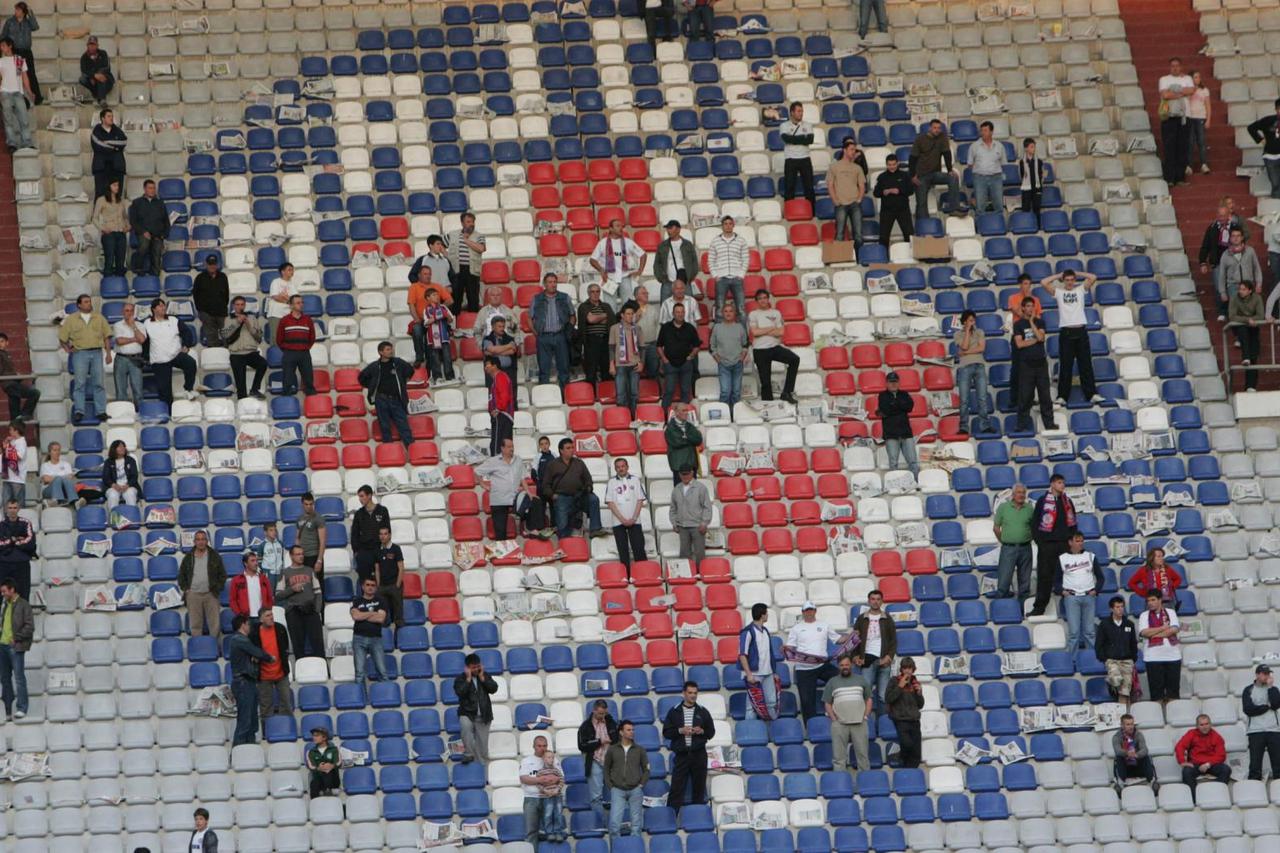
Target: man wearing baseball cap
{"x":808,"y":647}
{"x":895,"y":418}
{"x":676,"y":259}
{"x":95,"y":71}
{"x":212,"y":295}
{"x":1261,"y":701}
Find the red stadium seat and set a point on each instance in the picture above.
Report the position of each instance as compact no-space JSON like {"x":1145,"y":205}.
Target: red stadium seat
{"x":812,"y":540}
{"x":583,"y":244}
{"x":412,"y":584}
{"x":781,"y":285}
{"x":726,"y":623}
{"x":441,"y":585}
{"x":886,"y":563}
{"x":468,"y":529}
{"x":580,"y":219}
{"x":792,"y":461}
{"x":833,"y":358}
{"x":826,"y":460}
{"x":805,"y":513}
{"x":424,"y":452}
{"x":804,"y":234}
{"x":444,"y":611}
{"x":662,"y":653}
{"x":866,"y":356}
{"x":715,"y":570}
{"x":657,"y":626}
{"x":545,"y":198}
{"x":777,"y":542}
{"x":464,"y":477}
{"x":357,"y":456}
{"x":573,"y":172}
{"x":778,"y":259}
{"x":766,"y":488}
{"x":621,"y":444}
{"x":646,"y":573}
{"x":641,"y":215}
{"x":553,"y":246}
{"x":737,"y":516}
{"x":576,"y":195}
{"x":797,"y":335}
{"x":323,"y":458}
{"x":616,"y":602}
{"x":727,"y":650}
{"x":601,"y":170}
{"x":463,"y":503}
{"x":633,"y":169}
{"x":627,"y":654}
{"x":610,"y":194}
{"x":639,"y":194}
{"x":899,"y":355}
{"x":799,"y":487}
{"x":895,"y":590}
{"x":921,"y":561}
{"x":526,"y":271}
{"x":353,"y":431}
{"x":317,"y":407}
{"x":841,"y":384}
{"x":697,"y":651}
{"x":833,"y":486}
{"x":539,"y":174}
{"x":688,"y":598}
{"x":741,"y":542}
{"x":579,"y":394}
{"x":797,"y":210}
{"x":390,"y":454}
{"x":394,"y":228}
{"x":938,"y":379}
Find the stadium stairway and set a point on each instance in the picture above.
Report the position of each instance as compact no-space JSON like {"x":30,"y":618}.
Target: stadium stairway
{"x":1158,"y":30}
{"x":13,"y":319}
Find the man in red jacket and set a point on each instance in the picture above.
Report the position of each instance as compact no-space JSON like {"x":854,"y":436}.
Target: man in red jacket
{"x":1202,"y":752}
{"x":250,"y":592}
{"x":295,"y":335}
{"x":502,"y":405}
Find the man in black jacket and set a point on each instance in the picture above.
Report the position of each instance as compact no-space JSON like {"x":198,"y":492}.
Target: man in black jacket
{"x":894,"y":189}
{"x":1261,"y":702}
{"x":797,"y":136}
{"x":475,"y":709}
{"x":595,"y":735}
{"x":1053,"y":523}
{"x":95,"y":71}
{"x":386,"y":381}
{"x":365,"y":524}
{"x":17,"y":548}
{"x":1267,"y":131}
{"x":688,"y":727}
{"x":212,"y":294}
{"x":1116,"y":647}
{"x":676,"y":258}
{"x":895,"y":420}
{"x":149,"y":220}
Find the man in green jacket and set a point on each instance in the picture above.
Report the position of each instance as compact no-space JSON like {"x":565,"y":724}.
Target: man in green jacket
{"x":17,"y":627}
{"x":201,"y":578}
{"x":626,"y":769}
{"x":683,"y":439}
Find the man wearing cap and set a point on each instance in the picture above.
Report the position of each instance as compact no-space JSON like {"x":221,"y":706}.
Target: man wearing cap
{"x":212,"y":294}
{"x":691,"y":515}
{"x":675,"y":259}
{"x":895,"y":418}
{"x":809,"y":639}
{"x":95,"y":71}
{"x":1261,"y":701}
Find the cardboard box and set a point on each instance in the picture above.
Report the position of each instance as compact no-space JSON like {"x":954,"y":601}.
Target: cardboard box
{"x":931,"y":248}
{"x":839,"y":252}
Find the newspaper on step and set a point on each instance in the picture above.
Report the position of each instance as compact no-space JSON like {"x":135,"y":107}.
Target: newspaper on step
{"x":214,"y":702}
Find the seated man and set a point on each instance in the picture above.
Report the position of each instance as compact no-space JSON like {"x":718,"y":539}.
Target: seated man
{"x":567,"y":486}
{"x":1202,"y":752}
{"x":1132,"y":761}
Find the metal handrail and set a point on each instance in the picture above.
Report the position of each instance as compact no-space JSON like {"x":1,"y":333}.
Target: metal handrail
{"x":1228,"y":368}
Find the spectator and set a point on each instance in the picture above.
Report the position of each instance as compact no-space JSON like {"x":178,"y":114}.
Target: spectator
{"x":1266,"y":130}
{"x":299,"y":594}
{"x":688,"y":728}
{"x":112,"y":221}
{"x":797,"y":136}
{"x":1012,"y":525}
{"x":13,"y":464}
{"x":95,"y":71}
{"x":149,"y":221}
{"x":551,"y":315}
{"x":1217,"y":237}
{"x":728,"y":258}
{"x":680,"y":296}
{"x":244,"y":343}
{"x":86,"y":335}
{"x":987,"y":161}
{"x":201,"y":577}
{"x":465,"y":250}
{"x":295,"y":335}
{"x":386,"y":384}
{"x":1026,"y":290}
{"x":1260,"y":701}
{"x":545,"y":457}
{"x":865,"y":8}
{"x":120,"y":476}
{"x":1156,"y":575}
{"x":1031,"y":178}
{"x":497,"y":343}
{"x":625,"y":498}
{"x":245,"y":660}
{"x":683,"y":440}
{"x":418,"y":303}
{"x":876,"y":647}
{"x":648,"y":320}
{"x":1073,"y":333}
{"x":596,"y":734}
{"x":811,"y":639}
{"x":57,"y":478}
{"x":1132,"y":760}
{"x":658,"y":13}
{"x":1199,"y":114}
{"x":626,"y":346}
{"x":169,"y":342}
{"x":203,"y":839}
{"x":366,"y":521}
{"x":270,"y":553}
{"x":436,"y":330}
{"x":676,"y":258}
{"x":108,"y":142}
{"x":690,"y":513}
{"x":847,"y":186}
{"x":767,"y":349}
{"x":1032,"y":366}
{"x":274,"y":696}
{"x":594,"y":320}
{"x":542,"y":781}
{"x":474,"y":686}
{"x":1174,"y":88}
{"x":1053,"y":525}
{"x":1159,"y":626}
{"x":730,"y":348}
{"x":760,"y":662}
{"x":1202,"y":752}
{"x":626,"y":769}
{"x":566,"y":485}
{"x":311,"y":534}
{"x":678,"y":345}
{"x":620,"y":263}
{"x":282,"y":291}
{"x":492,"y":309}
{"x":22,"y":394}
{"x":369,"y":612}
{"x":17,"y":549}
{"x":212,"y":293}
{"x":847,"y":700}
{"x":904,"y":700}
{"x":930,"y":165}
{"x":129,"y":336}
{"x":18,"y":28}
{"x":971,"y":373}
{"x":895,"y":407}
{"x":250,"y":593}
{"x":701,"y":25}
{"x":323,"y":761}
{"x":389,"y":576}
{"x":503,"y":474}
{"x":437,"y":258}
{"x":1238,"y":263}
{"x":894,"y":188}
{"x":1081,"y":579}
{"x":17,"y":629}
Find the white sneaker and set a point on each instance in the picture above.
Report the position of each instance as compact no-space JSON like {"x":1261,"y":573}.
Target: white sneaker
{"x":1188,"y":170}
{"x":1059,"y":403}
{"x":1204,"y":168}
{"x":1097,"y":398}
{"x":1222,"y":318}
{"x":1251,"y":390}
{"x":18,"y":715}
{"x":189,"y":395}
{"x":1247,"y":362}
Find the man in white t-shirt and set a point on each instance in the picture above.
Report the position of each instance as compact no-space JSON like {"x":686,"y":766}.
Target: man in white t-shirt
{"x":620,"y":263}
{"x":1158,"y":626}
{"x":532,"y":768}
{"x":766,"y":328}
{"x":807,"y":640}
{"x":1073,"y":332}
{"x":15,"y":89}
{"x":1081,"y":580}
{"x":167,"y":352}
{"x":282,"y":290}
{"x":1175,"y":133}
{"x":129,"y":337}
{"x":625,"y":497}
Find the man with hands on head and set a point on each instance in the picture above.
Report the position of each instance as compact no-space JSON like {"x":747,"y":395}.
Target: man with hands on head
{"x":1073,"y":332}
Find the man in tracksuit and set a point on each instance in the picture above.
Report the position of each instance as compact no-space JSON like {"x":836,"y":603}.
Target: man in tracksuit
{"x":687,"y":728}
{"x":1261,"y":700}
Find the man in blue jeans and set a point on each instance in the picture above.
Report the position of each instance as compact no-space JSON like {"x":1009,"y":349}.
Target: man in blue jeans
{"x":626,"y":767}
{"x":244,"y":656}
{"x":971,"y":373}
{"x":678,"y":345}
{"x":551,"y":314}
{"x":864,"y":17}
{"x":760,"y":662}
{"x":17,"y":627}
{"x":595,"y":736}
{"x":369,"y":612}
{"x":567,"y":486}
{"x":1081,"y":580}
{"x":700,"y":19}
{"x":1013,"y":529}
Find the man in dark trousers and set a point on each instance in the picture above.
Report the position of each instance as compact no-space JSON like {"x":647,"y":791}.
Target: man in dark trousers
{"x":797,"y":135}
{"x":274,"y":695}
{"x":1260,"y":702}
{"x":17,"y":548}
{"x":594,"y":319}
{"x":687,"y":728}
{"x":931,"y":164}
{"x":895,"y":407}
{"x":149,"y":221}
{"x":502,"y":405}
{"x":1033,"y":367}
{"x":1053,"y":523}
{"x":95,"y":71}
{"x":1073,"y":333}
{"x":386,"y":382}
{"x":1267,"y":131}
{"x":894,"y":188}
{"x":365,"y":524}
{"x":245,"y":657}
{"x":474,"y":688}
{"x":595,"y":735}
{"x":212,"y":295}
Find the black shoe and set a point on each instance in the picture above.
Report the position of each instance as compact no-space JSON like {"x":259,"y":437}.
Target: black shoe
{"x":1036,"y":612}
{"x":789,"y":398}
{"x":1050,"y":425}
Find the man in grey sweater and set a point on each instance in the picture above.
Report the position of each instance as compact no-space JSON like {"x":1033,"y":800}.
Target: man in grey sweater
{"x":1129,"y":747}
{"x":1260,"y":700}
{"x":730,"y":348}
{"x":299,"y":594}
{"x":691,"y":514}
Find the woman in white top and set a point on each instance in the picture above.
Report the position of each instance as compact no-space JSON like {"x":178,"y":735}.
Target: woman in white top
{"x":57,"y":478}
{"x":1199,"y":115}
{"x":13,"y":463}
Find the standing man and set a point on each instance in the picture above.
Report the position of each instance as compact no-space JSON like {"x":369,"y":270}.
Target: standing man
{"x":250,"y":592}
{"x":847,"y":186}
{"x":797,"y":136}
{"x":503,"y":475}
{"x":865,"y":8}
{"x":971,"y":372}
{"x":1031,"y":364}
{"x":683,"y":440}
{"x":678,"y":345}
{"x":149,"y":221}
{"x":595,"y":317}
{"x":687,"y":728}
{"x":1053,"y":524}
{"x":877,"y":646}
{"x":497,"y":343}
{"x":987,"y":161}
{"x":1175,"y":134}
{"x":620,"y":263}
{"x":730,"y":347}
{"x":930,"y":165}
{"x":465,"y":249}
{"x":493,"y":309}
{"x":502,"y":405}
{"x":1132,"y":760}
{"x":311,"y":535}
{"x":1260,"y":701}
{"x":299,"y":594}
{"x":700,"y":20}
{"x":655,"y":11}
{"x":766,"y":349}
{"x":567,"y":486}
{"x":680,"y":297}
{"x":626,"y":767}
{"x":129,"y":336}
{"x":847,"y":700}
{"x":1267,"y":131}
{"x":533,"y":775}
{"x":369,"y":613}
{"x":244,"y":341}
{"x":437,"y":260}
{"x":625,"y":498}
{"x":551,"y":315}
{"x":366,"y":521}
{"x":474,"y":687}
{"x":676,"y":258}
{"x":759,"y":662}
{"x":808,"y":641}
{"x":1117,"y":649}
{"x":95,"y":71}
{"x":1081,"y":580}
{"x":212,"y":293}
{"x":649,"y":322}
{"x":895,"y":407}
{"x":1239,"y":262}
{"x":728,"y":258}
{"x":86,"y":335}
{"x":690,"y":514}
{"x":17,"y":629}
{"x":245,"y":658}
{"x":15,"y":90}
{"x":17,"y":548}
{"x":386,"y":384}
{"x":389,"y":577}
{"x":295,"y":336}
{"x":201,"y":577}
{"x":1162,"y":653}
{"x":626,"y":343}
{"x":417,"y":302}
{"x":169,"y":349}
{"x":595,"y":736}
{"x":274,"y":695}
{"x":1202,"y":752}
{"x":894,"y":188}
{"x":905,"y":699}
{"x":1073,"y":333}
{"x":1217,"y":237}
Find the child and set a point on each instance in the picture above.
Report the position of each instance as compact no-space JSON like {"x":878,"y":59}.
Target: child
{"x":437,"y":329}
{"x":551,"y":789}
{"x":271,"y":553}
{"x":322,"y":761}
{"x":13,"y":465}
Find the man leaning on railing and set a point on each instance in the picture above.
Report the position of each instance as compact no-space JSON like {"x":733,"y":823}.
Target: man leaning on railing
{"x":22,"y":395}
{"x":1245,"y":313}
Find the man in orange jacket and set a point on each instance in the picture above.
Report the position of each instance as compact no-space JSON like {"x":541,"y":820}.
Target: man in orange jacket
{"x":1202,"y":752}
